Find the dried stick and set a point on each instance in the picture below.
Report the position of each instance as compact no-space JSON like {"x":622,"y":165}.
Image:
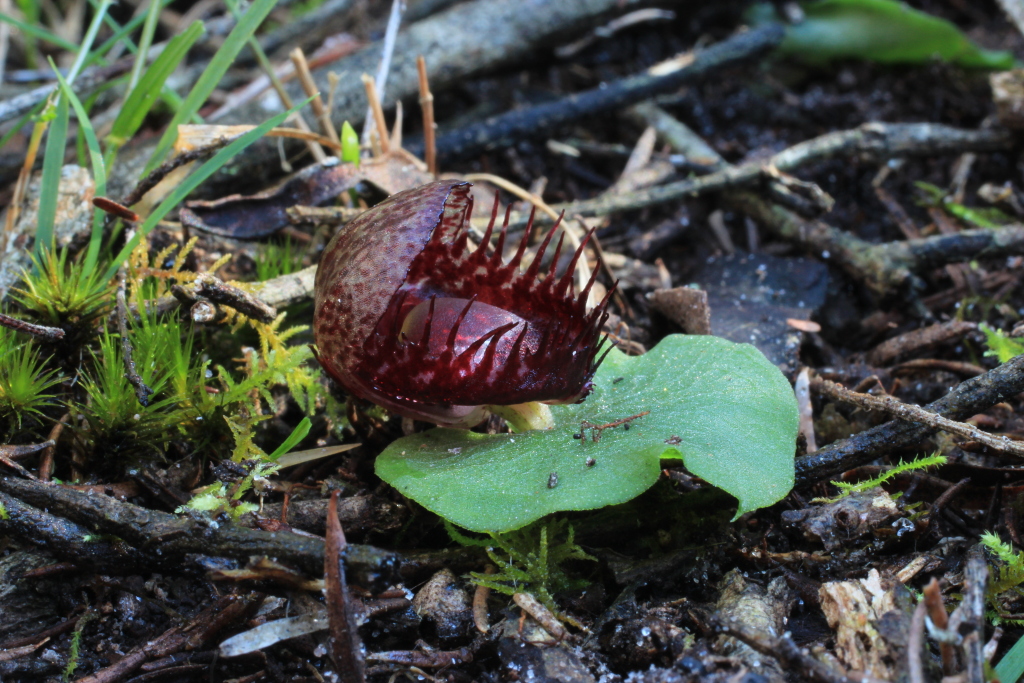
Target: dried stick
{"x":506,"y":129}
{"x":378,"y":113}
{"x":300,"y":122}
{"x":480,"y":596}
{"x":427,"y":105}
{"x":877,"y":141}
{"x":911,"y":413}
{"x":788,"y":653}
{"x":346,"y":648}
{"x":298,"y":58}
{"x":38,"y":331}
{"x":163,"y":170}
{"x":175,"y":537}
{"x":142,"y":391}
{"x":915,"y":644}
{"x":548,"y":621}
{"x":886,"y":269}
{"x":436,"y":659}
{"x":218,"y":291}
{"x":968,"y":398}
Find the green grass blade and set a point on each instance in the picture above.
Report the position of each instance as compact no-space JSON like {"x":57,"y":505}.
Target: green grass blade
{"x":141,"y":98}
{"x":53,"y":160}
{"x":90,"y":37}
{"x":1011,"y":667}
{"x":99,"y":174}
{"x":194,"y":180}
{"x":38,"y":32}
{"x":148,"y":29}
{"x":209,"y":79}
{"x":297,"y":435}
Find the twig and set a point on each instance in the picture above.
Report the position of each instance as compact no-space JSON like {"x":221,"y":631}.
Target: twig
{"x":271,"y":73}
{"x":218,"y":291}
{"x":39,"y":331}
{"x":7,"y":462}
{"x":911,"y":413}
{"x":142,"y":391}
{"x":165,"y":169}
{"x":480,"y":596}
{"x":175,"y":537}
{"x":45,"y":468}
{"x":378,"y":113}
{"x":968,"y":620}
{"x":968,"y":398}
{"x":596,"y":429}
{"x":384,"y":68}
{"x":298,"y":58}
{"x":427,"y":105}
{"x":505,"y":130}
{"x":226,"y":611}
{"x":425,"y":660}
{"x":939,"y":617}
{"x":875,"y":141}
{"x":346,"y":648}
{"x":786,"y":652}
{"x":69,"y":541}
{"x":548,"y":621}
{"x":915,"y":644}
{"x":886,"y":268}
{"x":915,"y":340}
{"x":115,"y":209}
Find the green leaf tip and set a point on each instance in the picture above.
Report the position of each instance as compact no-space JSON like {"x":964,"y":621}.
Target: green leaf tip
{"x":885,"y":31}
{"x":721,"y":407}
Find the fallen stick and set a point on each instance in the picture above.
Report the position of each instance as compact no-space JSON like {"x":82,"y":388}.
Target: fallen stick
{"x":887,"y":269}
{"x":911,"y":413}
{"x":966,"y":399}
{"x":509,"y":128}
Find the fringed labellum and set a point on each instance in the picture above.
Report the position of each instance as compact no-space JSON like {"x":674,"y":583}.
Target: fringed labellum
{"x":412,"y":317}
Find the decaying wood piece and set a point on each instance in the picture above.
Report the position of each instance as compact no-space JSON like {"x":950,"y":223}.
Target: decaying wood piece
{"x":752,"y":607}
{"x":968,"y":620}
{"x":797,"y":661}
{"x":165,"y":539}
{"x":917,"y":340}
{"x":835,"y":524}
{"x":224,"y":613}
{"x":685,"y":306}
{"x":871,"y":618}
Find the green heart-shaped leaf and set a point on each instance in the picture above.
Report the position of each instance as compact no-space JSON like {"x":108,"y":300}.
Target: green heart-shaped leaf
{"x":721,"y":407}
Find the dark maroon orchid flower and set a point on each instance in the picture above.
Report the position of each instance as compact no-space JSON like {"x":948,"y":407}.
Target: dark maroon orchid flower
{"x":409,"y":316}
